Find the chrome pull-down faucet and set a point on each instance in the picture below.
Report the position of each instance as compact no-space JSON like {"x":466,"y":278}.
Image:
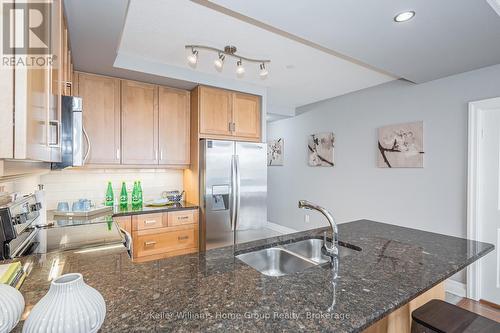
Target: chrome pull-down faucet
{"x":331,"y":250}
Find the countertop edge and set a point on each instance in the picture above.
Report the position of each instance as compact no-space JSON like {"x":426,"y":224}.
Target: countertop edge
{"x":153,"y":210}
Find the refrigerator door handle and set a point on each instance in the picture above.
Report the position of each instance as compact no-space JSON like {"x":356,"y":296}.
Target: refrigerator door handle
{"x":238,"y":194}
{"x":232,"y":204}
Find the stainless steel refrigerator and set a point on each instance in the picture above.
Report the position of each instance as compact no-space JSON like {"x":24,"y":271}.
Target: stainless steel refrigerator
{"x":233,"y":183}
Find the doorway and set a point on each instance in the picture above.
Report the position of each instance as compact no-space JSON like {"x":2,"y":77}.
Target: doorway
{"x":483,"y":197}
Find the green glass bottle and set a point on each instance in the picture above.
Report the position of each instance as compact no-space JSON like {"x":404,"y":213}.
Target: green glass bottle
{"x":110,"y":198}
{"x":109,"y":222}
{"x":123,"y":196}
{"x":139,"y":192}
{"x":135,"y":195}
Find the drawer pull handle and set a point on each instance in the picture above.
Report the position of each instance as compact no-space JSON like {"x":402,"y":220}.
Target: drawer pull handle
{"x":150,"y":222}
{"x":182,"y":237}
{"x":183,"y":217}
{"x":149,"y":243}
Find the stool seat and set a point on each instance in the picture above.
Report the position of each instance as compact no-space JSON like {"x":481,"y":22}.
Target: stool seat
{"x":439,"y":316}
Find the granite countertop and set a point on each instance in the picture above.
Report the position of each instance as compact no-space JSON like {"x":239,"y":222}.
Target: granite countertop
{"x":214,"y":291}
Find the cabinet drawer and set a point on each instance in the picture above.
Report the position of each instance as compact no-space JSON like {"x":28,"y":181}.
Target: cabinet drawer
{"x":152,"y":244}
{"x":181,"y":218}
{"x":147,"y":221}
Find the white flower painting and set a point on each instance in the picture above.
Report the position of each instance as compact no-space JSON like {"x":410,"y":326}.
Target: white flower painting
{"x":401,"y":146}
{"x":275,"y":152}
{"x":321,"y":146}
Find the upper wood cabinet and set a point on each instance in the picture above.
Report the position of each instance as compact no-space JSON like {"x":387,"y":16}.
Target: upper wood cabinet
{"x":227,"y":115}
{"x":37,"y":100}
{"x":215,"y":111}
{"x":139,"y":123}
{"x":133,"y":123}
{"x":68,"y":85}
{"x":246,"y":115}
{"x":101,"y":116}
{"x":174,"y":123}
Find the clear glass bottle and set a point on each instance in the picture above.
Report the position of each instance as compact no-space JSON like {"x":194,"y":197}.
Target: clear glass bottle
{"x":123,"y":196}
{"x":110,"y":198}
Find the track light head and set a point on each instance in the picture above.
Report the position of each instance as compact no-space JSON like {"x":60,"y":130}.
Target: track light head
{"x":193,"y":57}
{"x":263,"y":71}
{"x":219,"y":62}
{"x":240,"y":70}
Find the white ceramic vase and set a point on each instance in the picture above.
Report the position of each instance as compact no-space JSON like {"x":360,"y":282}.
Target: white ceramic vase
{"x":11,"y":307}
{"x":70,"y":306}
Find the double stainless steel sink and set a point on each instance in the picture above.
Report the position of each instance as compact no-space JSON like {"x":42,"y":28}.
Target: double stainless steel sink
{"x":291,"y":258}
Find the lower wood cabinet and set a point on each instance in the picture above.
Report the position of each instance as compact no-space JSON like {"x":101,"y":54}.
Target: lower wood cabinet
{"x":165,"y":241}
{"x":161,"y":235}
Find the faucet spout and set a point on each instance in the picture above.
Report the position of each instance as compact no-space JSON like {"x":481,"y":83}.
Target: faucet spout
{"x":330,"y":249}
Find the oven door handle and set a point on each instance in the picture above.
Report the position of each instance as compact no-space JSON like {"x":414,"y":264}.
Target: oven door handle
{"x":24,"y":245}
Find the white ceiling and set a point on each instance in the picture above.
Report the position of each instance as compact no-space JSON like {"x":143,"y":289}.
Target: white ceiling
{"x":95,"y":27}
{"x":318,"y":51}
{"x":158,"y":30}
{"x":445,"y":37}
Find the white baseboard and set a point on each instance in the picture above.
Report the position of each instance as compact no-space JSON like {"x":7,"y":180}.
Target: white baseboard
{"x":455,"y":288}
{"x":280,"y":228}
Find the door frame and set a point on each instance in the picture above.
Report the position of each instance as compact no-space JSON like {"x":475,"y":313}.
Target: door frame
{"x":476,"y":109}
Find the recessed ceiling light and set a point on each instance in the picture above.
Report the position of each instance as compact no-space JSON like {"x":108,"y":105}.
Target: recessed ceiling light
{"x":404,"y":16}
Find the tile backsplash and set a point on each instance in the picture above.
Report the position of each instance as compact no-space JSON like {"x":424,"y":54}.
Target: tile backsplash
{"x":71,"y":185}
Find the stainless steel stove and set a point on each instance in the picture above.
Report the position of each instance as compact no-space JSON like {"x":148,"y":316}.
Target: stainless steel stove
{"x":18,"y":227}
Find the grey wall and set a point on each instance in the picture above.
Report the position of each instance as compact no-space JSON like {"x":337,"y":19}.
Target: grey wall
{"x":432,"y":198}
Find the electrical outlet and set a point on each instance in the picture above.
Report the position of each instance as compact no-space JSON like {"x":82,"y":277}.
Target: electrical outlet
{"x":306,"y":218}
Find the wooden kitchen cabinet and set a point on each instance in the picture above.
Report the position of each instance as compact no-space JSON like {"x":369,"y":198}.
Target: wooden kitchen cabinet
{"x":135,"y":124}
{"x":173,"y":125}
{"x":101,"y":116}
{"x":139,"y":123}
{"x":224,"y":114}
{"x":161,"y":235}
{"x":37,"y":99}
{"x":246,"y":115}
{"x":68,"y":86}
{"x":215,"y":114}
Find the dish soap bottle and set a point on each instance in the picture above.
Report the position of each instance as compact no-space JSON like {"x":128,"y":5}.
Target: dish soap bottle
{"x":123,"y":196}
{"x":110,"y":199}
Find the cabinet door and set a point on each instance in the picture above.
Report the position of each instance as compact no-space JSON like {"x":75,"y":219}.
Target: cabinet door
{"x":246,"y":115}
{"x":101,"y":117}
{"x":139,"y":123}
{"x":56,"y":86}
{"x":215,"y":111}
{"x":173,"y":109}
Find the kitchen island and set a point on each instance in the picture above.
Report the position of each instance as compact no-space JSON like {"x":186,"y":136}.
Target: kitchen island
{"x":213,"y":291}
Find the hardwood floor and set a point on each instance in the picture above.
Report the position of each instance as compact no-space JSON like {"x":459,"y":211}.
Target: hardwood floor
{"x":480,"y":308}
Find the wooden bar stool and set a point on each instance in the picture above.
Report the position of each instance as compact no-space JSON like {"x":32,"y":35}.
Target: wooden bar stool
{"x":439,"y":316}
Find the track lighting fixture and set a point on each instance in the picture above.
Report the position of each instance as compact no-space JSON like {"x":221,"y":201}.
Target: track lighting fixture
{"x":230,"y":51}
{"x":193,"y":57}
{"x":240,"y":70}
{"x":263,"y":71}
{"x":219,"y":62}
